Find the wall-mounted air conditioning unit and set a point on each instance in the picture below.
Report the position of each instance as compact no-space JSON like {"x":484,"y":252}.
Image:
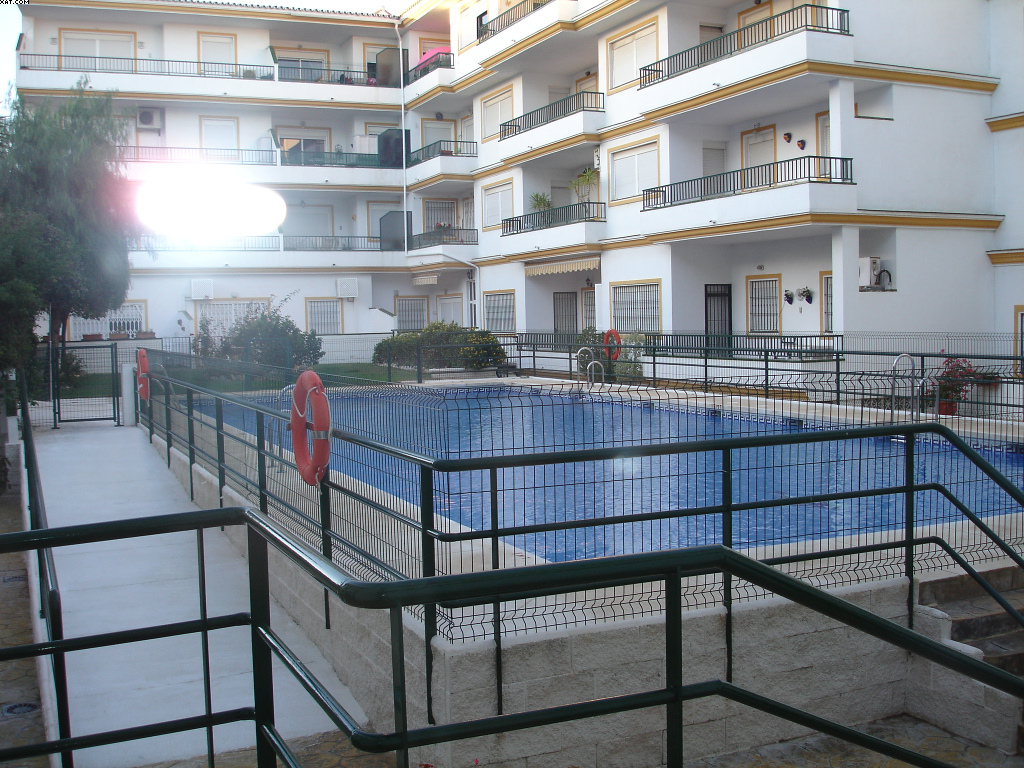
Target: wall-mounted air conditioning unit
{"x":347,"y":287}
{"x":869,"y":267}
{"x":149,"y":119}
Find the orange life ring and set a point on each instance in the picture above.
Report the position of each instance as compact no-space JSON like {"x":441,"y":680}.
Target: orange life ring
{"x":309,"y":402}
{"x":142,"y":365}
{"x":610,"y":334}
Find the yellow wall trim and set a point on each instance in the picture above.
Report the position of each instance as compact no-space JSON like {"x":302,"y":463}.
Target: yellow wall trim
{"x":1006,"y":257}
{"x":1006,"y":122}
{"x":150,"y":96}
{"x":438,"y":178}
{"x":248,"y":12}
{"x":313,"y":271}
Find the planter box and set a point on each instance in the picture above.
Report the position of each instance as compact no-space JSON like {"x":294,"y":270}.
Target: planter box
{"x":118,"y":336}
{"x":145,"y":335}
{"x":92,"y":337}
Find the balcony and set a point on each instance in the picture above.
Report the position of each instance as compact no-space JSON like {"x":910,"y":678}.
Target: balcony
{"x":336,"y":76}
{"x":585,"y":101}
{"x":444,"y":236}
{"x":508,"y":18}
{"x":812,"y":18}
{"x":330,"y":243}
{"x":330,"y":159}
{"x":443,"y":60}
{"x":442,"y":149}
{"x":247,"y":243}
{"x":131,"y":154}
{"x":829,"y":170}
{"x":46,"y":61}
{"x":553,"y":217}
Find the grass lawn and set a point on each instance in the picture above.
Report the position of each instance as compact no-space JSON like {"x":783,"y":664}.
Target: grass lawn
{"x":365,"y":371}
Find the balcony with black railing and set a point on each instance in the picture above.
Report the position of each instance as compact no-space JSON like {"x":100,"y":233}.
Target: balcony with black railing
{"x":829,"y":170}
{"x":444,"y":148}
{"x":440,"y":60}
{"x":508,"y":18}
{"x":329,"y":159}
{"x":330,"y":243}
{"x":292,"y":74}
{"x":130,"y":154}
{"x":244,"y":243}
{"x":811,"y":18}
{"x":48,"y":61}
{"x":553,"y":217}
{"x":584,"y":101}
{"x":442,"y":235}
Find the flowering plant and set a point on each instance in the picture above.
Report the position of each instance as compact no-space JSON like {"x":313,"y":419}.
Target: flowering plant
{"x":954,"y":380}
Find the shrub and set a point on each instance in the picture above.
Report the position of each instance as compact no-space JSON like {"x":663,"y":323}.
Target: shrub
{"x":628,"y":365}
{"x":266,"y":336}
{"x":443,"y":345}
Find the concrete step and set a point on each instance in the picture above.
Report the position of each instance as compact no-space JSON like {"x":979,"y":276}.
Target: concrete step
{"x":980,"y":617}
{"x":1003,"y":651}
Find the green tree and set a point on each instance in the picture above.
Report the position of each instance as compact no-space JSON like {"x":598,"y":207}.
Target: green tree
{"x":268,"y":336}
{"x":58,"y":162}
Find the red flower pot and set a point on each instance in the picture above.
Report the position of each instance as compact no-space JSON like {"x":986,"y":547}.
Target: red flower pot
{"x":947,"y":407}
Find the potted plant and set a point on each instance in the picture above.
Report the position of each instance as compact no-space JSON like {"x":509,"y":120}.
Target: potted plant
{"x":952,"y":384}
{"x":540,"y":201}
{"x":583,"y":183}
{"x":805,"y":294}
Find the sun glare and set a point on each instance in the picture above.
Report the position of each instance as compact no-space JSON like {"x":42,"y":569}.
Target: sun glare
{"x":204,"y":205}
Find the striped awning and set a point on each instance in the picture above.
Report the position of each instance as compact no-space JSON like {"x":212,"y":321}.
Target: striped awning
{"x":561,"y":267}
{"x":429,"y":278}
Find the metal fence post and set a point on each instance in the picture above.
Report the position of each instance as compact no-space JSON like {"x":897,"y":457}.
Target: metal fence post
{"x":167,"y":420}
{"x":398,"y":683}
{"x":419,"y":362}
{"x":115,"y":384}
{"x":495,"y":565}
{"x":908,"y":509}
{"x":839,"y":380}
{"x":325,"y":537}
{"x":727,"y":540}
{"x":674,"y":668}
{"x":221,"y":479}
{"x":389,"y":363}
{"x":262,"y":662}
{"x":261,"y":463}
{"x":190,"y":407}
{"x":60,"y":674}
{"x":766,"y":371}
{"x":428,"y":568}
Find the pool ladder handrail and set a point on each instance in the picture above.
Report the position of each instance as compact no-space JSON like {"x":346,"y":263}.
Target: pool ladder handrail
{"x":590,"y":371}
{"x":594,"y":362}
{"x":278,"y":428}
{"x":916,"y":395}
{"x":576,"y":373}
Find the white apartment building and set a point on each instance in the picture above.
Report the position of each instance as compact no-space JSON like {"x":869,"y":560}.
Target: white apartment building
{"x":761,"y":166}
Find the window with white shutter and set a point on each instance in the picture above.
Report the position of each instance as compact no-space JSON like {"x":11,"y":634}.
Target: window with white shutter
{"x":634,"y":170}
{"x":500,"y":312}
{"x":497,"y":110}
{"x":497,"y":204}
{"x":217,"y":54}
{"x":636,"y":308}
{"x":83,"y":49}
{"x":628,"y":53}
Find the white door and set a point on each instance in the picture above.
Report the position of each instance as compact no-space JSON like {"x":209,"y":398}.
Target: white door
{"x":449,"y":309}
{"x":824,"y":145}
{"x":758,"y":153}
{"x":437,"y":130}
{"x":587,"y":84}
{"x":752,"y":33}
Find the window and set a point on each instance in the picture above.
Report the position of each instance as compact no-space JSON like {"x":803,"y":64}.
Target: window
{"x":497,"y":110}
{"x":85,"y":47}
{"x":714,"y":158}
{"x":565,"y":312}
{"x":627,"y":54}
{"x":634,"y":170}
{"x":219,"y":133}
{"x":636,"y":308}
{"x":304,"y":144}
{"x":467,"y":25}
{"x":827,"y":325}
{"x":497,"y":204}
{"x":710,"y":32}
{"x":376,"y":129}
{"x":467,"y":129}
{"x":468,"y":212}
{"x":410,"y":313}
{"x":588,"y":299}
{"x":223,"y":314}
{"x":440,"y":213}
{"x":217,"y":54}
{"x":374,"y":211}
{"x":323,"y":316}
{"x":307,"y":66}
{"x":500,"y":312}
{"x":129,"y":318}
{"x":763,"y":304}
{"x":436,"y":130}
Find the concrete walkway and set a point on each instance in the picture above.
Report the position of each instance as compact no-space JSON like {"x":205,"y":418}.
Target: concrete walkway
{"x":97,"y":471}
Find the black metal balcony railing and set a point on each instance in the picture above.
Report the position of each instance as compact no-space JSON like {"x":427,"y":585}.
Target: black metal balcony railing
{"x":131,"y":154}
{"x":443,"y":236}
{"x":442,"y":148}
{"x":553,"y":217}
{"x":442,"y":60}
{"x":336,"y":159}
{"x":330,"y":243}
{"x":508,"y":18}
{"x":247,"y":243}
{"x":584,"y":101}
{"x":50,"y":61}
{"x":814,"y":18}
{"x":323,"y":75}
{"x":834,"y":170}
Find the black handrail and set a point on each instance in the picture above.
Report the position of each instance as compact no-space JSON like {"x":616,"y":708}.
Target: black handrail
{"x":51,"y":61}
{"x":444,"y":236}
{"x":445,"y":147}
{"x":508,"y":18}
{"x":584,"y":101}
{"x":330,"y":243}
{"x":813,"y":168}
{"x":334,"y":159}
{"x":815,"y":18}
{"x":133,"y":154}
{"x":245,"y":243}
{"x":553,"y":217}
{"x":440,"y":60}
{"x":292,"y":74}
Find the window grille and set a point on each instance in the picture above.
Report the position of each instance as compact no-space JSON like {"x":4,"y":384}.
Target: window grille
{"x":324,"y":316}
{"x":826,"y":304}
{"x":636,"y":308}
{"x":471,"y":296}
{"x":439,"y":212}
{"x":718,"y":309}
{"x":500,"y":312}
{"x":410,"y":313}
{"x":565,"y":312}
{"x":589,"y":309}
{"x":763,"y":305}
{"x":224,"y":314}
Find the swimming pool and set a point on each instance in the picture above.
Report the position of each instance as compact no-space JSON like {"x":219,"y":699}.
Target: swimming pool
{"x":491,"y":421}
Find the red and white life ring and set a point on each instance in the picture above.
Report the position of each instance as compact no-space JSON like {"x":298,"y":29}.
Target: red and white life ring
{"x":613,"y":352}
{"x":142,"y":366}
{"x":310,"y":404}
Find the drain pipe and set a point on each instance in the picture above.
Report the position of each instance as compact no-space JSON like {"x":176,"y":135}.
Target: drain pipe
{"x":405,"y":158}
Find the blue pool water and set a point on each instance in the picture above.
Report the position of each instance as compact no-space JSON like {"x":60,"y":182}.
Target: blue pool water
{"x":458,"y":423}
